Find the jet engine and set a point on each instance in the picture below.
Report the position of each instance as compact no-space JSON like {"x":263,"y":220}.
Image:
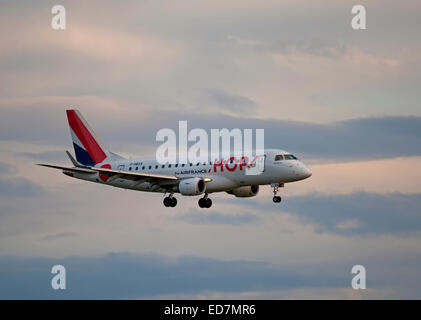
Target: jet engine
{"x":245,"y":192}
{"x":191,"y":187}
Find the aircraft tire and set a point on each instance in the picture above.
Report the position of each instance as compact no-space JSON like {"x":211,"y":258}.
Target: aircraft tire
{"x":167,"y":201}
{"x":277,"y":199}
{"x":202,"y":202}
{"x":208,"y":203}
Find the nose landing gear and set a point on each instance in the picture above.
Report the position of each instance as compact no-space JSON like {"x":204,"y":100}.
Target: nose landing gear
{"x":276,"y":198}
{"x":170,"y":201}
{"x":205,"y":202}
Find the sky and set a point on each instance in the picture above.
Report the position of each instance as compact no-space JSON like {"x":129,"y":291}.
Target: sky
{"x":345,"y":101}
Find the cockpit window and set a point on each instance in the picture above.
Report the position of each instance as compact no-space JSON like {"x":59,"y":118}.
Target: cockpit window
{"x":279,"y":157}
{"x":290,"y":157}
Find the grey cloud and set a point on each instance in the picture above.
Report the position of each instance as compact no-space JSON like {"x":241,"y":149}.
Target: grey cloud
{"x":123,"y":275}
{"x":369,"y":138}
{"x":270,"y":24}
{"x":31,"y":122}
{"x":364,"y":138}
{"x":360,"y":213}
{"x":5,"y":168}
{"x":234,"y":103}
{"x":19,"y":187}
{"x":217,"y":218}
{"x":60,"y":235}
{"x":44,"y":156}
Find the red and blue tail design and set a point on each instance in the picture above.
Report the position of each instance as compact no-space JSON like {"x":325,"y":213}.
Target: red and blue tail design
{"x":89,"y":149}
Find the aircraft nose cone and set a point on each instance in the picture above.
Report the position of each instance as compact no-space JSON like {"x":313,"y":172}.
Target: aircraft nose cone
{"x":305,"y":172}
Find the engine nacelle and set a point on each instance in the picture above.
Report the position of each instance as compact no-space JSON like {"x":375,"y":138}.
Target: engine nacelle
{"x":192,"y":187}
{"x":245,"y":192}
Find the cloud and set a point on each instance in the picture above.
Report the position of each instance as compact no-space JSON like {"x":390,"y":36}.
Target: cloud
{"x":4,"y":168}
{"x":311,"y":61}
{"x":127,"y":54}
{"x":359,"y":213}
{"x":232,"y":102}
{"x":124,"y":275}
{"x":355,"y":139}
{"x":44,"y":156}
{"x":378,"y":176}
{"x":148,"y":275}
{"x":217,"y":218}
{"x":19,"y":187}
{"x":60,"y":235}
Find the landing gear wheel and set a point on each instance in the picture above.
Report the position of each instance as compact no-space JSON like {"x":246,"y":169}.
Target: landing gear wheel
{"x":277,"y":199}
{"x":167,"y":201}
{"x":170,"y":201}
{"x":208,"y":203}
{"x":202,"y":202}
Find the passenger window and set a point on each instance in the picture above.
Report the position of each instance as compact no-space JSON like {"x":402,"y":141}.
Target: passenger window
{"x":169,"y":166}
{"x":183,"y":164}
{"x":156,"y":167}
{"x":150,"y":167}
{"x":279,"y":157}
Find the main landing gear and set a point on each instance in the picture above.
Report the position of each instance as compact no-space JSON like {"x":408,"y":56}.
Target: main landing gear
{"x":205,"y":202}
{"x":170,"y":201}
{"x":276,"y":198}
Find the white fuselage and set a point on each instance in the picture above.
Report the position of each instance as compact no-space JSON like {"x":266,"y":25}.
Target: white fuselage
{"x":225,"y":177}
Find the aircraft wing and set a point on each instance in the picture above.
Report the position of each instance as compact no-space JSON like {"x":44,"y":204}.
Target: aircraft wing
{"x":134,"y":175}
{"x":121,"y":174}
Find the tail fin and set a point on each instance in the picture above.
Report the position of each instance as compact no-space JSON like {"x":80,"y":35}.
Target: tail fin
{"x":89,"y":149}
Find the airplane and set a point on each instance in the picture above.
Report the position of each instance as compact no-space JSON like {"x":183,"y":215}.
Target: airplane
{"x":95,"y":163}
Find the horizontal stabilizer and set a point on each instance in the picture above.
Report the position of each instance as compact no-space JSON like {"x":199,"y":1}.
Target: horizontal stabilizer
{"x":81,"y":170}
{"x":73,"y":160}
